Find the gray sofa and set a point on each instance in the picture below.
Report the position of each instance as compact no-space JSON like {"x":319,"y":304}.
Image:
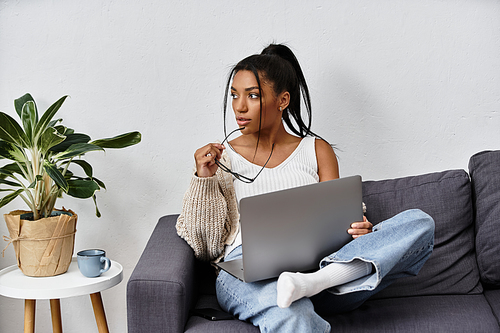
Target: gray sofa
{"x":457,"y":290}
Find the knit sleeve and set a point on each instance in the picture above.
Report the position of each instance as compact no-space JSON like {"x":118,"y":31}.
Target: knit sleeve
{"x":202,"y":221}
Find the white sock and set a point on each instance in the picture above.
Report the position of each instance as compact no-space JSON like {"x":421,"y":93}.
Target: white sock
{"x":293,"y":286}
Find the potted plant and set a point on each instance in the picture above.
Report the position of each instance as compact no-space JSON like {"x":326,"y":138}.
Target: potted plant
{"x":40,"y":156}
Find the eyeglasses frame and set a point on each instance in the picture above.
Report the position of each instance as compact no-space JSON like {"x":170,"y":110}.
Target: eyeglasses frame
{"x":236,"y":175}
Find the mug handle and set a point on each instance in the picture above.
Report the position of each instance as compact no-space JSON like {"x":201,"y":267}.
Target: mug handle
{"x":107,"y":264}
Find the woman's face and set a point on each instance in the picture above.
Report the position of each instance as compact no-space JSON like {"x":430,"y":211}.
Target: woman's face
{"x":246,"y":103}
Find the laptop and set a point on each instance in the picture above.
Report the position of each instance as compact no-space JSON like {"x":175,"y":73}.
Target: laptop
{"x":292,"y":230}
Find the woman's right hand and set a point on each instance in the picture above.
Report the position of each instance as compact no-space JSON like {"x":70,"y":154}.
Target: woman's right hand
{"x":205,"y":159}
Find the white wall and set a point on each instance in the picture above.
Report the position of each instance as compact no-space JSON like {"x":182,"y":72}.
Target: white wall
{"x":402,"y":88}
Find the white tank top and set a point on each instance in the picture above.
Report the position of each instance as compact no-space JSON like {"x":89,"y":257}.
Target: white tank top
{"x":300,"y":168}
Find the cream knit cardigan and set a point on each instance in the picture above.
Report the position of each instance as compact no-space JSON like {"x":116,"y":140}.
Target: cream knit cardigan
{"x":209,"y":218}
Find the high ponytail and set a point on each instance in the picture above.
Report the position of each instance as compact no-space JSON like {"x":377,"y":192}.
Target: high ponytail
{"x":294,"y":86}
{"x":278,"y":65}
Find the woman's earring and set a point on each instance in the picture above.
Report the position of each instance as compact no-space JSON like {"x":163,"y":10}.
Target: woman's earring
{"x":281,"y":109}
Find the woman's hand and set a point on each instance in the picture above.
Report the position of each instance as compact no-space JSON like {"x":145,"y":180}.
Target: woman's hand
{"x":205,"y":159}
{"x":360,"y":228}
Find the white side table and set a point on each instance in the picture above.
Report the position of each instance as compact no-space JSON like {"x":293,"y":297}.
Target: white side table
{"x":14,"y":284}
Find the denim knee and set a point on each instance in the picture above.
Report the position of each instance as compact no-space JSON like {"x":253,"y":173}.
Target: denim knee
{"x":415,"y":220}
{"x":422,"y":222}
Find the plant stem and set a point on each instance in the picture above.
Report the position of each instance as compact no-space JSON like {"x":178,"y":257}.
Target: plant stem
{"x":35,"y":216}
{"x":35,"y":168}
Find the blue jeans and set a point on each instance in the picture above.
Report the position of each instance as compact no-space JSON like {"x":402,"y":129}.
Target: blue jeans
{"x":396,"y":248}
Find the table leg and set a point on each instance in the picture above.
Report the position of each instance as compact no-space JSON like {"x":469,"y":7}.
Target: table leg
{"x":55,"y":310}
{"x":29,"y":316}
{"x":100,"y":316}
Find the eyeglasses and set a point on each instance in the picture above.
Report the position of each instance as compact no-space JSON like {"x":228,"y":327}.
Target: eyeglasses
{"x":235,"y":174}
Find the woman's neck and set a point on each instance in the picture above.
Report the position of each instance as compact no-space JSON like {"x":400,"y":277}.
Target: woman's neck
{"x":267,"y":138}
{"x":257,"y":149}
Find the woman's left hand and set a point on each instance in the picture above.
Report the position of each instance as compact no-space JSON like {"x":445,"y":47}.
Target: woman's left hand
{"x":360,"y":228}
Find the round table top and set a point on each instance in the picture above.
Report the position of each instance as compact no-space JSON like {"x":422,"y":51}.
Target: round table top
{"x":14,"y":284}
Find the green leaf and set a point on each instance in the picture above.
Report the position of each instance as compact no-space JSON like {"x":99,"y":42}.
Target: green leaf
{"x":68,"y":174}
{"x":97,"y":212}
{"x":71,"y":139}
{"x":53,"y":123}
{"x":76,"y":150}
{"x":10,"y":169}
{"x":8,"y":182}
{"x":60,"y":129}
{"x":56,"y":175}
{"x":63,"y":129}
{"x":11,"y":152}
{"x":82,"y":188}
{"x":8,"y":198}
{"x":49,"y":139}
{"x":38,"y":178}
{"x":10,"y":131}
{"x":100,"y":183}
{"x":47,"y":116}
{"x":29,"y":117}
{"x":19,"y":103}
{"x":87,"y":168}
{"x":119,"y":141}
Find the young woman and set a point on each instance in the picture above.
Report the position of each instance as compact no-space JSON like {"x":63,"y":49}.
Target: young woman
{"x":276,"y":150}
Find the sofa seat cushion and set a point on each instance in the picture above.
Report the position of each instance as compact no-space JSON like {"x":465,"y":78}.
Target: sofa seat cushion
{"x":493,"y":297}
{"x":484,"y":169}
{"x":446,"y":197}
{"x":202,"y":325}
{"x":449,"y":313}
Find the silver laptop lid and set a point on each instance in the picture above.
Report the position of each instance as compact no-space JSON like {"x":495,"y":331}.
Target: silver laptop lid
{"x":292,"y":230}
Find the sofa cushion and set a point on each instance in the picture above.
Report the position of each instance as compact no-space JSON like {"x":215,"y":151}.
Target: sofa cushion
{"x":448,"y":313}
{"x":201,"y":325}
{"x":445,"y":313}
{"x":446,"y":197}
{"x":493,"y":298}
{"x":484,"y":169}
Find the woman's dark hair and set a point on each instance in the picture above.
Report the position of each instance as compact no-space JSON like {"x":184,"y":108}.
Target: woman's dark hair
{"x":278,"y":66}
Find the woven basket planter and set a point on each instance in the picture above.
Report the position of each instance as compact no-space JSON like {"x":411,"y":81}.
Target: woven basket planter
{"x":43,"y":247}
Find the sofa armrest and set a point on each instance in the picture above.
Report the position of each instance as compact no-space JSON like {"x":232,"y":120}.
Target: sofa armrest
{"x":161,"y":288}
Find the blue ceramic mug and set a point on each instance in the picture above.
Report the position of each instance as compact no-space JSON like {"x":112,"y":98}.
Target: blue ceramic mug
{"x":93,"y":263}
